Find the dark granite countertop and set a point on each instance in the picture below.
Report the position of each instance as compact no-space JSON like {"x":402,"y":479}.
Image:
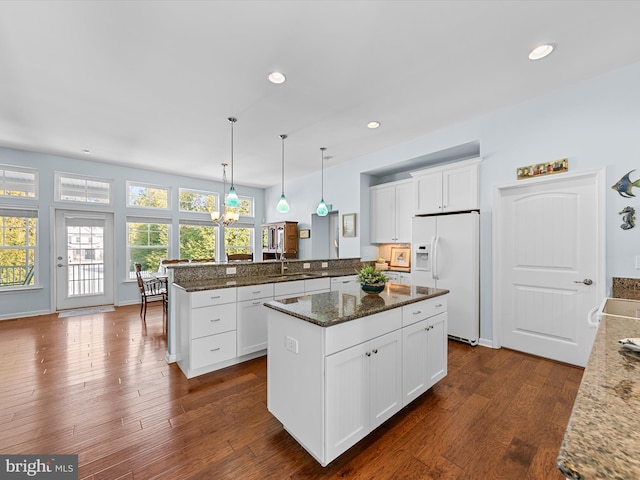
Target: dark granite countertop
{"x":331,"y":308}
{"x":239,"y":281}
{"x":602,"y":440}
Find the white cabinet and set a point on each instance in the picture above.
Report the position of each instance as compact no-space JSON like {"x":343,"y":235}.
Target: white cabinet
{"x":347,"y":281}
{"x":424,"y":347}
{"x":207,"y":329}
{"x":398,"y":277}
{"x":363,"y":390}
{"x":252,"y":317}
{"x":317,"y":285}
{"x":453,"y":188}
{"x":391,"y":211}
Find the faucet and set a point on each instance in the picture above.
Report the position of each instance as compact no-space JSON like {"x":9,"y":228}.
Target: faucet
{"x":283,"y":263}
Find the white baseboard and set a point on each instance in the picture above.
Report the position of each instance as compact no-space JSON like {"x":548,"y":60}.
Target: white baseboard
{"x":14,"y":316}
{"x":485,"y":342}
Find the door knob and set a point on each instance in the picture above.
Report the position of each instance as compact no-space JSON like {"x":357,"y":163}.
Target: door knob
{"x":586,"y":281}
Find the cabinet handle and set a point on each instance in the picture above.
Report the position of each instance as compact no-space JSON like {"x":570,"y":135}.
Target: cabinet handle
{"x":255,"y":293}
{"x":213,"y":298}
{"x":215,"y":349}
{"x":368,"y":354}
{"x":438,"y":305}
{"x":417,"y":312}
{"x":375,"y":350}
{"x":258,"y":302}
{"x":214,"y":320}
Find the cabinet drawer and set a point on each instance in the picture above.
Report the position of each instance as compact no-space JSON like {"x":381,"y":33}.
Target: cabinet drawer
{"x":213,"y":349}
{"x":252,"y":292}
{"x":211,"y":320}
{"x":213,"y":297}
{"x":295,"y":287}
{"x":347,"y":334}
{"x":421,"y":310}
{"x":313,"y":284}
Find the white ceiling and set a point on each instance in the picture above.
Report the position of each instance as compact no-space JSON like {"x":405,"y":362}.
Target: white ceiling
{"x":151,"y":83}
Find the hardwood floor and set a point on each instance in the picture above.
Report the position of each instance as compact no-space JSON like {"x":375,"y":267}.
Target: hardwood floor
{"x":98,"y":387}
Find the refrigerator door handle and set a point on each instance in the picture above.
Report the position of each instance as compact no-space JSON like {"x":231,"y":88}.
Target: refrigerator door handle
{"x":434,"y":256}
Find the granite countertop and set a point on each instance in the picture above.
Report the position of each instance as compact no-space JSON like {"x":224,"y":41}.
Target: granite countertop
{"x":602,"y":440}
{"x":331,"y":308}
{"x":240,"y":281}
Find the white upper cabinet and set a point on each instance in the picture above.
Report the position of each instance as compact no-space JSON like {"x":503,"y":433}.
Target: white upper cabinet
{"x":391,"y":212}
{"x":451,"y":188}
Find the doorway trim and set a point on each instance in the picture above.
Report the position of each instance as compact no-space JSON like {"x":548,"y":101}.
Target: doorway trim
{"x":53,"y":248}
{"x":598,"y":178}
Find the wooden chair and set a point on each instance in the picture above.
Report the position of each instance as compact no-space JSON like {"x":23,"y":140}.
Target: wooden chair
{"x":151,"y":290}
{"x":235,"y":257}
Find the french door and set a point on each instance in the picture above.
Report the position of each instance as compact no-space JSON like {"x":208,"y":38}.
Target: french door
{"x":84,"y":259}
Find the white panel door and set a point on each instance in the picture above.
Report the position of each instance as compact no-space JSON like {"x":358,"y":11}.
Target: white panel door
{"x":386,"y":377}
{"x":84,"y":259}
{"x":549,"y":256}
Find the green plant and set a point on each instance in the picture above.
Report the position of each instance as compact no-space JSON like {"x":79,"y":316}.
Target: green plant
{"x":368,"y":275}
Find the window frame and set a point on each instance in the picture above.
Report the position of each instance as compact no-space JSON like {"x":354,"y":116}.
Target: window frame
{"x":198,"y":223}
{"x":27,"y":212}
{"x":13,"y":168}
{"x":59,"y":176}
{"x":252,"y":232}
{"x":130,"y":274}
{"x":205,"y":193}
{"x":131,"y":184}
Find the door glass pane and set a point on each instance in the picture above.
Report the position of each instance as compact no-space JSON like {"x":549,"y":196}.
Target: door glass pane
{"x":85,"y":260}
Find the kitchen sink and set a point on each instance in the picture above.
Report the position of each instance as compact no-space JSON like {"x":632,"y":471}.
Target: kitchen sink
{"x":292,"y":276}
{"x":620,"y":307}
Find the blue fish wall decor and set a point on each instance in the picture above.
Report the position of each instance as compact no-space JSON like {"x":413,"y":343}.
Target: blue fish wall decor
{"x":628,"y":217}
{"x":624,"y":185}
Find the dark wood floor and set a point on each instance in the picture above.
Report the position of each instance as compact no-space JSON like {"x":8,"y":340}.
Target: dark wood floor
{"x":98,"y":387}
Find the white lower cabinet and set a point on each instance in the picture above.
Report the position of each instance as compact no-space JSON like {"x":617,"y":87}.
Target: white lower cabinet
{"x":363,"y":388}
{"x":424,"y":351}
{"x":331,"y":386}
{"x":252,"y":318}
{"x":338,"y":283}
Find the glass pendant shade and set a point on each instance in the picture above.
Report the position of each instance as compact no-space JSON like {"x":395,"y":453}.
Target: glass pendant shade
{"x":322,"y":209}
{"x":232,"y":199}
{"x":283,"y":205}
{"x":224,"y":217}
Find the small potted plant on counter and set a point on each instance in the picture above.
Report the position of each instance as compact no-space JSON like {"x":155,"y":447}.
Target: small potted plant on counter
{"x":371,"y":280}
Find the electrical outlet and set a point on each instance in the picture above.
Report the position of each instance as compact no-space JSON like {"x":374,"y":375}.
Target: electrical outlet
{"x":325,"y":264}
{"x":291,"y":344}
{"x":306,"y":265}
{"x":231,"y":270}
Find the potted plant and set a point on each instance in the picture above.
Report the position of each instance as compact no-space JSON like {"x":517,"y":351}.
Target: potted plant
{"x":371,"y":280}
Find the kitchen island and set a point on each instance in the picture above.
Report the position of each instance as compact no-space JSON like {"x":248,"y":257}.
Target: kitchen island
{"x":341,"y":363}
{"x":602,"y":440}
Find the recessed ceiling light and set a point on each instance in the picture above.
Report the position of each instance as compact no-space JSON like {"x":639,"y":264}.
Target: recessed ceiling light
{"x":541,"y":51}
{"x":277,"y":78}
{"x":373,"y":124}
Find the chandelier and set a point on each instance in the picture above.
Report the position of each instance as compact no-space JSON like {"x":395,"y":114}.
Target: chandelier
{"x":228,"y":216}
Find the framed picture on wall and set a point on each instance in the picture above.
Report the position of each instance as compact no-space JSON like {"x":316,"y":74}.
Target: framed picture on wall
{"x":305,"y":233}
{"x":349,"y":225}
{"x":400,"y":257}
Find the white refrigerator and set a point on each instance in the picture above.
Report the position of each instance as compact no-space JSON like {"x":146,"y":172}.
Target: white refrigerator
{"x":446,"y":254}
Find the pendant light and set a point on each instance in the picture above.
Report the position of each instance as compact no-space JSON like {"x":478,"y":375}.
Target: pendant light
{"x":232,"y":199}
{"x":283,"y":206}
{"x":226,"y":217}
{"x":322,"y":209}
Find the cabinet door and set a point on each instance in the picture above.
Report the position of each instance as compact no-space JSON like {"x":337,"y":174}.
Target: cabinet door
{"x":383,"y":213}
{"x":347,"y":397}
{"x":385,"y":355}
{"x":291,"y":240}
{"x":252,"y":326}
{"x":415,"y":376}
{"x":428,"y":193}
{"x":404,"y":212}
{"x":460,"y":189}
{"x":437,"y":349}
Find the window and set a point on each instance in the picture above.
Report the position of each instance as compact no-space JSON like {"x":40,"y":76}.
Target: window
{"x":147,"y":243}
{"x":18,"y":246}
{"x":18,"y":182}
{"x":78,"y":188}
{"x":197,"y":201}
{"x":197,"y":239}
{"x":238,"y":239}
{"x":148,"y":196}
{"x":246,"y":207}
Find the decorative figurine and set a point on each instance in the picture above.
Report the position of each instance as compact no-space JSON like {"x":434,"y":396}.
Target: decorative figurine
{"x":624,"y":186}
{"x":628,"y":217}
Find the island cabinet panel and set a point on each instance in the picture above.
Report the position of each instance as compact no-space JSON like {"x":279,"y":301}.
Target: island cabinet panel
{"x":252,"y":318}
